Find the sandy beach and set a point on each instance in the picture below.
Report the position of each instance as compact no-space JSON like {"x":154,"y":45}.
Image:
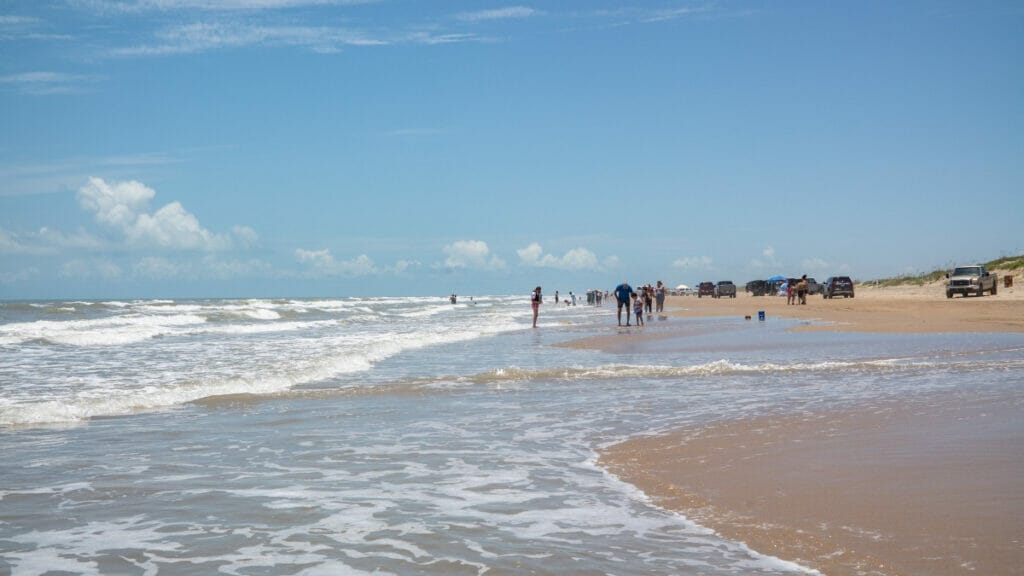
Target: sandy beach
{"x":922,"y":486}
{"x":906,"y":309}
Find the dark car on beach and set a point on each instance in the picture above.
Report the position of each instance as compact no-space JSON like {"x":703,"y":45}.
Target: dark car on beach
{"x":758,"y":287}
{"x":706,"y":289}
{"x":838,"y":286}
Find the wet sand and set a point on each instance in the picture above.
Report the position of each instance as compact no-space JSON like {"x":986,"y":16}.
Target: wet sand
{"x":912,"y":489}
{"x":917,"y":488}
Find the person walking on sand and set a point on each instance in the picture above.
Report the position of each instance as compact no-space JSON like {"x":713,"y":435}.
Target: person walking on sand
{"x":801,"y":290}
{"x":535,"y":299}
{"x":622,"y":293}
{"x":638,"y":309}
{"x":659,"y":298}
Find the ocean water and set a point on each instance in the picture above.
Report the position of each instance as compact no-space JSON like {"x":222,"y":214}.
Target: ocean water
{"x":399,"y":435}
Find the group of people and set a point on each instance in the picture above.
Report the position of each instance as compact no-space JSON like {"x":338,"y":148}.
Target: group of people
{"x":640,"y":301}
{"x":636,"y":302}
{"x":797,"y":293}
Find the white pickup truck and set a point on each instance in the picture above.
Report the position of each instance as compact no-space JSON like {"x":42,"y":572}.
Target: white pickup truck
{"x":967,"y":280}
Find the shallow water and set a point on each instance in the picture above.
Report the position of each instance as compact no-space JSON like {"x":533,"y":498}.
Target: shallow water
{"x":396,"y":435}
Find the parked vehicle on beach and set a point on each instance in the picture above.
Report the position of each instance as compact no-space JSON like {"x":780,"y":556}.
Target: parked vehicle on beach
{"x":967,"y":280}
{"x":706,"y":289}
{"x":758,"y":287}
{"x":725,"y":288}
{"x":813,"y":287}
{"x":838,"y":286}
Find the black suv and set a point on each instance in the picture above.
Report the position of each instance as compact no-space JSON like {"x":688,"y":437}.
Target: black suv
{"x":758,"y":287}
{"x":838,"y":286}
{"x":706,"y":289}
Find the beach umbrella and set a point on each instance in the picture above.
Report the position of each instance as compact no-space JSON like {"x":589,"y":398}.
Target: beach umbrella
{"x":776,"y":278}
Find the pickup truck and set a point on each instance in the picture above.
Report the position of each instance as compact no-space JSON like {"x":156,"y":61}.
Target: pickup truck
{"x":725,"y":288}
{"x":967,"y":280}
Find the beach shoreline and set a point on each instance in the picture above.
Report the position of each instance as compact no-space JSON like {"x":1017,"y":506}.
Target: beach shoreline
{"x":922,"y":486}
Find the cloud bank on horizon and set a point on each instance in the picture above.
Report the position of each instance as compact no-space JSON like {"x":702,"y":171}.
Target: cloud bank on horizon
{"x":315,"y":147}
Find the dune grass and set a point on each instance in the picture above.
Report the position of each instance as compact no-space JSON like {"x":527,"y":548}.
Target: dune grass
{"x":1006,"y":263}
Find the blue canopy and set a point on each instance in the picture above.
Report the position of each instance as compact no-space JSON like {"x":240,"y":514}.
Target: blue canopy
{"x":776,"y":278}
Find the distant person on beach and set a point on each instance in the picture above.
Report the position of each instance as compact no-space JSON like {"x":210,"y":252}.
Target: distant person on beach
{"x":622,"y":293}
{"x":659,"y":297}
{"x":801,"y":290}
{"x":556,"y":296}
{"x":638,"y":308}
{"x":535,"y":299}
{"x":648,"y":298}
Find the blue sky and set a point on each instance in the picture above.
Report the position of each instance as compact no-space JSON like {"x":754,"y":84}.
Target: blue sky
{"x":174,"y":148}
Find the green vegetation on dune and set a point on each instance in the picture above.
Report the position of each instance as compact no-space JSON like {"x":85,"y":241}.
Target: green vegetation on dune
{"x":1004,"y":263}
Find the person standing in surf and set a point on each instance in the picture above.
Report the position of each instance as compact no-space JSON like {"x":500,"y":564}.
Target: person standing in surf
{"x":622,"y":293}
{"x":535,"y":299}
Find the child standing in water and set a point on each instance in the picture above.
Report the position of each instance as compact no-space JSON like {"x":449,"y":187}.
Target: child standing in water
{"x":638,"y":309}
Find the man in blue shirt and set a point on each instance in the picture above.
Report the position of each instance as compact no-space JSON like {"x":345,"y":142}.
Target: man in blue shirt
{"x":622,"y":293}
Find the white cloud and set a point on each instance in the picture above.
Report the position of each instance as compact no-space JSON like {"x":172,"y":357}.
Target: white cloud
{"x":46,"y":241}
{"x":130,"y":6}
{"x":671,"y":14}
{"x":322,"y":262}
{"x":767,"y":259}
{"x":433,"y":38}
{"x":174,"y":227}
{"x":404,"y":265}
{"x":497,"y":14}
{"x":116,"y":204}
{"x":80,"y":240}
{"x":202,"y":36}
{"x":471,"y":254}
{"x":10,"y":244}
{"x":47,"y":82}
{"x":245,"y":235}
{"x":8,"y":20}
{"x":574,"y":259}
{"x":693,"y":263}
{"x":122,"y":207}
